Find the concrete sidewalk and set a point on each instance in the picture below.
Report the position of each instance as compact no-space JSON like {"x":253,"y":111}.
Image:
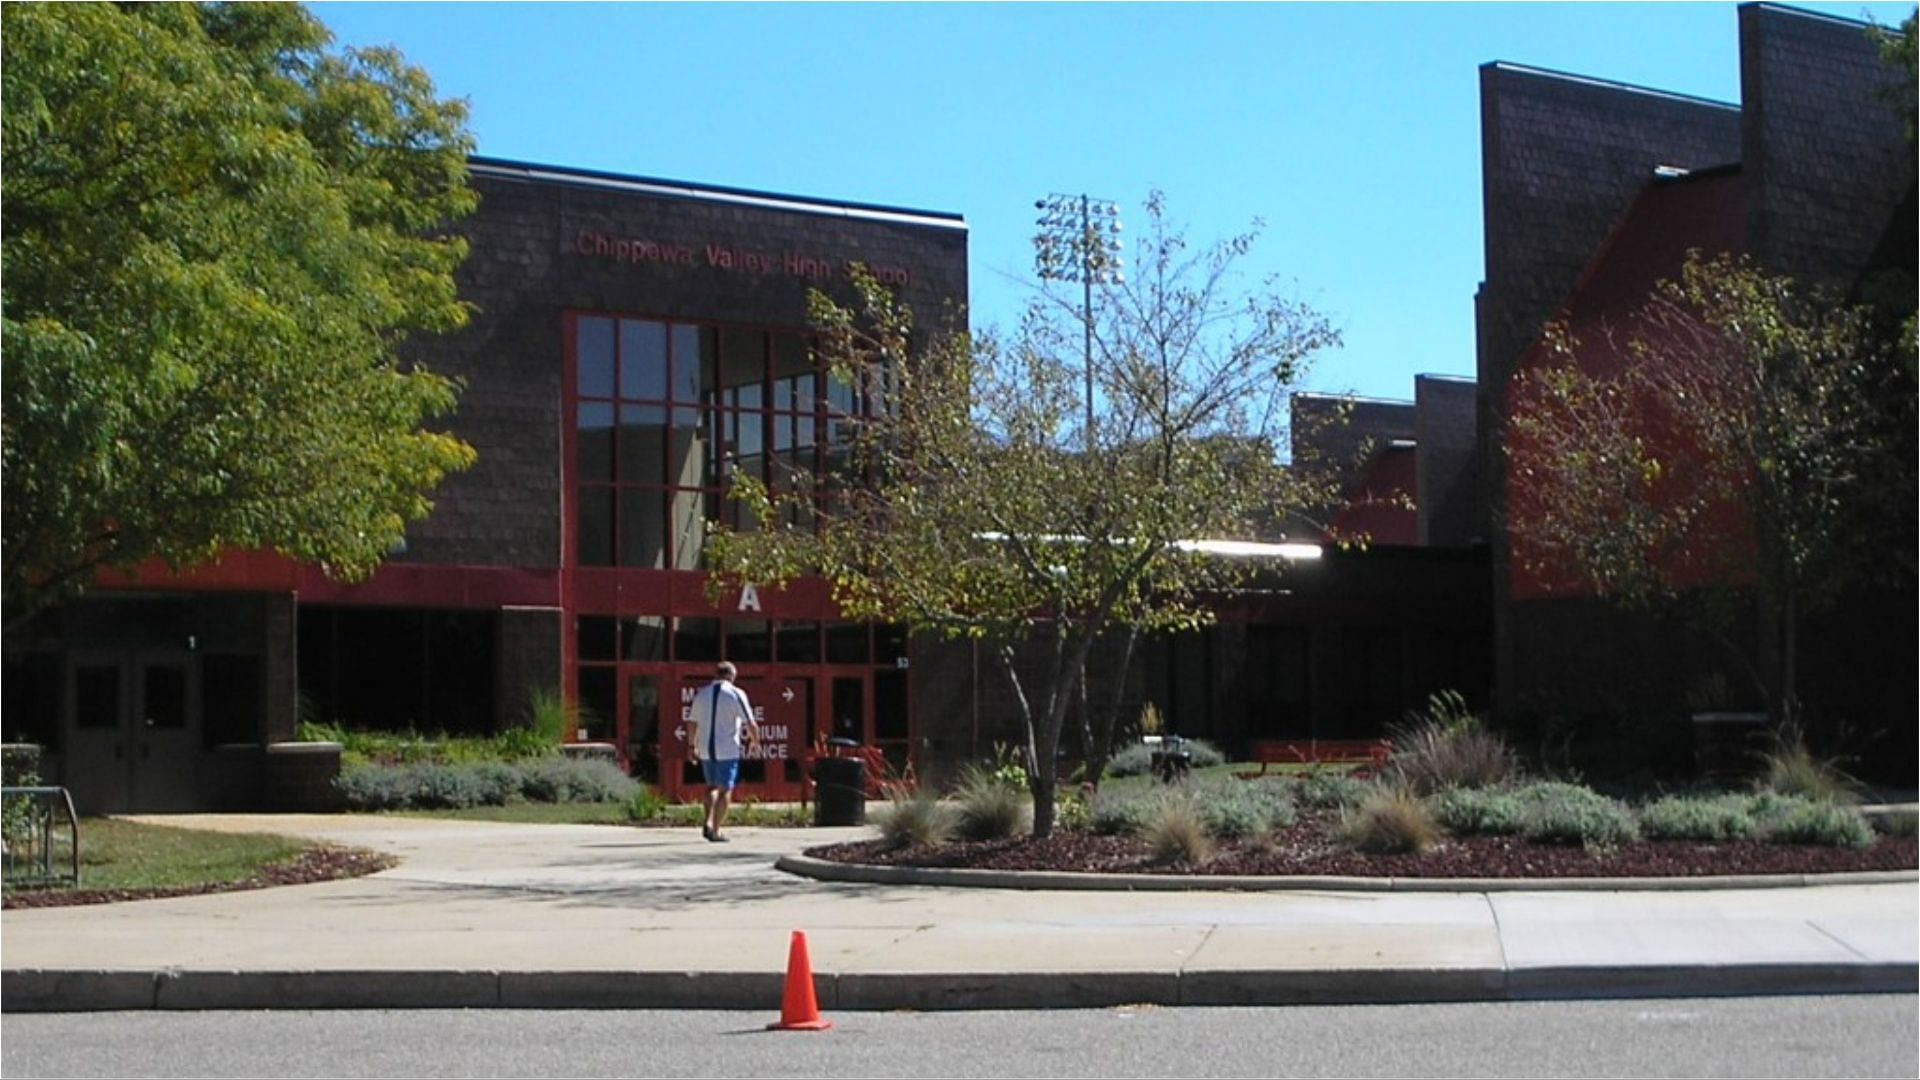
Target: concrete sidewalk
{"x":561,"y":916}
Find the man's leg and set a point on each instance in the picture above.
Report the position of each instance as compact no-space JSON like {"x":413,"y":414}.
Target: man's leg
{"x":719,"y":814}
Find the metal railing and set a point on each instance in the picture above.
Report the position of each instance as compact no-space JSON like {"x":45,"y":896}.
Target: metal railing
{"x":32,"y":846}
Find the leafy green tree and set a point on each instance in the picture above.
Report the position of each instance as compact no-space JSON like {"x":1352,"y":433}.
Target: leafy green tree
{"x":974,"y":504}
{"x":218,"y":233}
{"x":1726,"y":461}
{"x":1900,"y":51}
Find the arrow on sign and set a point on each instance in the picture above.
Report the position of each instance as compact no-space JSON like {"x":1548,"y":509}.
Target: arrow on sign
{"x":787,"y":695}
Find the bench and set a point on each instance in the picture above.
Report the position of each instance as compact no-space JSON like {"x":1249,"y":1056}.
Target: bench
{"x":1369,"y":755}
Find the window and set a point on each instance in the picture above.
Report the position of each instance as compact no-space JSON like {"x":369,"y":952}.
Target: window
{"x":232,"y":690}
{"x":399,"y":669}
{"x":668,"y":415}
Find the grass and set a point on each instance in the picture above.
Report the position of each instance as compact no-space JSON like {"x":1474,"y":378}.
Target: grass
{"x":117,"y":854}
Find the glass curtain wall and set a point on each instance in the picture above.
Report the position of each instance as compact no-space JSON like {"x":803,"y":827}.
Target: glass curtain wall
{"x":668,"y":414}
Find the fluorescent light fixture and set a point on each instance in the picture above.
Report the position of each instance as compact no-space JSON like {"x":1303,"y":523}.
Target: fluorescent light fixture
{"x":1229,"y":549}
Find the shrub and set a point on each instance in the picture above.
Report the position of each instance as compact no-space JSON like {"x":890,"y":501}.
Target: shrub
{"x":1007,"y":767}
{"x":562,"y":780}
{"x":1202,"y":754}
{"x":1702,"y":819}
{"x":917,"y":820}
{"x":19,"y":767}
{"x":1448,"y":747}
{"x":1391,"y":820}
{"x":1176,"y":831}
{"x":1824,"y":823}
{"x":1117,"y":815}
{"x":454,"y":787}
{"x":1477,"y":811}
{"x":1329,"y":789}
{"x":371,"y":787}
{"x":1791,"y":769}
{"x":989,"y":807}
{"x":1560,"y":813}
{"x":1072,"y":809}
{"x":1151,"y":722}
{"x":1238,"y":809}
{"x":550,"y":718}
{"x":1135,"y":760}
{"x":1768,"y":807}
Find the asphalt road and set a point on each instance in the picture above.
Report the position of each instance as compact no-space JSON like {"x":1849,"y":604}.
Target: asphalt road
{"x":1863,"y":1035}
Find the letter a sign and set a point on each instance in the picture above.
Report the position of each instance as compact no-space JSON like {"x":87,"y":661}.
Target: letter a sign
{"x":749,"y":598}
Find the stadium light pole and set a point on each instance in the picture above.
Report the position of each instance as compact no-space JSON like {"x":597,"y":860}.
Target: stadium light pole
{"x":1079,"y":240}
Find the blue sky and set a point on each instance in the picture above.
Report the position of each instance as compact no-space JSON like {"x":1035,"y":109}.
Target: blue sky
{"x":1351,"y":129}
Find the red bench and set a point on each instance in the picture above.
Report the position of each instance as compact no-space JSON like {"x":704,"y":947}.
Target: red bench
{"x":1368,"y":754}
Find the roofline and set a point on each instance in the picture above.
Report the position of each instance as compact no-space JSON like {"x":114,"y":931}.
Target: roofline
{"x":1320,"y":395}
{"x":1788,"y":9}
{"x":677,"y":189}
{"x":1608,"y":84}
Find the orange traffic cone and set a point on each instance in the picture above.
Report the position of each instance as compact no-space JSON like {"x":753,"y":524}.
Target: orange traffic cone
{"x":798,"y":1009}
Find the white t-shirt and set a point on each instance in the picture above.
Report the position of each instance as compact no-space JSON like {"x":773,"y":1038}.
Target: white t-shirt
{"x":721,"y":714}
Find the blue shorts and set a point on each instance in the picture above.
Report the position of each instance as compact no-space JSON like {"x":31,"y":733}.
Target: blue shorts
{"x":721,"y":774}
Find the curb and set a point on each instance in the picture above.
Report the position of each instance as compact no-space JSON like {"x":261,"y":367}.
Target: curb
{"x":867,"y":873}
{"x":28,"y":991}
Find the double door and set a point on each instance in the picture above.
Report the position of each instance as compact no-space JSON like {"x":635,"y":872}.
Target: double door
{"x":798,"y":708}
{"x":132,"y":730}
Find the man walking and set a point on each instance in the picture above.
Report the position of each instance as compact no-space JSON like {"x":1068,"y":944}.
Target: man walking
{"x":721,"y":716}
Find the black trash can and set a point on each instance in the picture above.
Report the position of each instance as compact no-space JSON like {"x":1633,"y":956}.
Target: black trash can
{"x":840,"y":788}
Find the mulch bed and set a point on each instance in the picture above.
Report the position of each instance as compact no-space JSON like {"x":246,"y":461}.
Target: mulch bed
{"x":1304,"y":850}
{"x":324,"y":863}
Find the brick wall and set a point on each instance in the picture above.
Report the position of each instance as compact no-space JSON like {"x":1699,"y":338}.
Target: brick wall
{"x":535,"y":255}
{"x":1453,"y":511}
{"x":1562,"y":158}
{"x":1823,"y":152}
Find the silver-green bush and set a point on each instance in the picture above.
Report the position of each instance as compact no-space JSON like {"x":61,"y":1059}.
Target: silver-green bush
{"x":1700,"y":819}
{"x":1477,"y":811}
{"x":562,"y":780}
{"x":1823,"y":823}
{"x":1111,"y":814}
{"x":1134,"y":760}
{"x":373,"y":787}
{"x":1560,"y":813}
{"x":1204,"y":754}
{"x":1328,"y":789}
{"x":1236,"y":809}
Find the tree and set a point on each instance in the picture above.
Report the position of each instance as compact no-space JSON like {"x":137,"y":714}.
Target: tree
{"x":973,"y":504}
{"x":218,"y":233}
{"x":1724,"y":462}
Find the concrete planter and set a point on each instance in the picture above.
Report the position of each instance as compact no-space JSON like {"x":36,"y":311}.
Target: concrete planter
{"x":300,"y":777}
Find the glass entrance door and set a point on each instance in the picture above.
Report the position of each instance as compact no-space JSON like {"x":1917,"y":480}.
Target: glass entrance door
{"x":785,"y":705}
